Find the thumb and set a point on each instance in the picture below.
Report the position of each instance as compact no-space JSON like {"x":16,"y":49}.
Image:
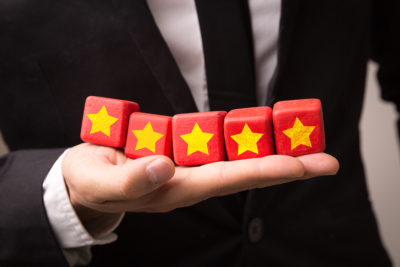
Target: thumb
{"x":130,"y":180}
{"x":141,"y":176}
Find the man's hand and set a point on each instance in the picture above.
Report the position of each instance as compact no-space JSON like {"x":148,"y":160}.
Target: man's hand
{"x":103,"y":180}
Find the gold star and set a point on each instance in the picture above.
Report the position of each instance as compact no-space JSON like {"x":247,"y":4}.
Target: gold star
{"x":299,"y":134}
{"x":101,"y":122}
{"x":197,"y":140}
{"x":147,"y":138}
{"x":247,"y":140}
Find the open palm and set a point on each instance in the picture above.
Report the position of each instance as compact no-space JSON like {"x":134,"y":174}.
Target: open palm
{"x":102,"y":179}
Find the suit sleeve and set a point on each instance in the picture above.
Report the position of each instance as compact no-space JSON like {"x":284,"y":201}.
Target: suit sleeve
{"x":386,"y":48}
{"x":26,"y":238}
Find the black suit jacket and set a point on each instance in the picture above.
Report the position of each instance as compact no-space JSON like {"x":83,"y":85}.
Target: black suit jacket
{"x":53,"y":54}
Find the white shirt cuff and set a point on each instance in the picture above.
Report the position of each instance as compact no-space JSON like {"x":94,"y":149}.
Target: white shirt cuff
{"x":71,"y":234}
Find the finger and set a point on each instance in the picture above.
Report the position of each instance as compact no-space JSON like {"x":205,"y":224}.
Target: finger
{"x":194,"y":184}
{"x":230,"y":177}
{"x":320,"y":164}
{"x":191,"y":185}
{"x":130,"y":180}
{"x":197,"y":184}
{"x":146,"y":174}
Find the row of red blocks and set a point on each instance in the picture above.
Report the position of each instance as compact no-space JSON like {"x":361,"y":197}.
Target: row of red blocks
{"x":205,"y":137}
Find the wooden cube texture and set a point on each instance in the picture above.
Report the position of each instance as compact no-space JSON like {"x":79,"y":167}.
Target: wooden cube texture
{"x":148,"y":135}
{"x":248,"y":133}
{"x":105,"y":120}
{"x":198,"y":138}
{"x":298,"y":127}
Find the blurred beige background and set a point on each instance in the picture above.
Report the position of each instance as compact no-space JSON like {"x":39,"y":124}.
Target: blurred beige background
{"x":380,"y":149}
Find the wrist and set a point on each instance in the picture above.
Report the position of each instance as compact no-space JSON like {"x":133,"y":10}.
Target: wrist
{"x":95,"y":222}
{"x":84,"y":213}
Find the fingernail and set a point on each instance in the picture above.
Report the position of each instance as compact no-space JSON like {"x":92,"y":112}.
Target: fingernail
{"x":159,"y":171}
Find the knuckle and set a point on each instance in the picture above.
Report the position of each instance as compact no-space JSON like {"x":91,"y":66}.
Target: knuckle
{"x":128,"y":187}
{"x":89,"y":197}
{"x":224,"y":182}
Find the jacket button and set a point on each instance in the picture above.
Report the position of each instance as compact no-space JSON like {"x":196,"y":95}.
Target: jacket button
{"x":256,"y":230}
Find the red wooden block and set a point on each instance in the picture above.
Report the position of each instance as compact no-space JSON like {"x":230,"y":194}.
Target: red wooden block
{"x":148,"y":135}
{"x":299,"y":127}
{"x":105,"y":120}
{"x":248,"y":133}
{"x":198,"y":137}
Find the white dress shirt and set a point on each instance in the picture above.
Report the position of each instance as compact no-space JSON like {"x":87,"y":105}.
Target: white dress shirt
{"x":179,"y":26}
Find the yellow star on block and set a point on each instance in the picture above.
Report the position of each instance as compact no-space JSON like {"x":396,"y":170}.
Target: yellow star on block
{"x":247,"y":140}
{"x":147,"y":138}
{"x":197,"y":140}
{"x":299,"y":134}
{"x":101,"y":122}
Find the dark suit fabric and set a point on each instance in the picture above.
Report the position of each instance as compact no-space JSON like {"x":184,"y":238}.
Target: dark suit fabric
{"x":53,"y":54}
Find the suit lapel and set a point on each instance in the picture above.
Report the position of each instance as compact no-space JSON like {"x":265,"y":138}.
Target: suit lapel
{"x":287,"y":25}
{"x":142,"y":27}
